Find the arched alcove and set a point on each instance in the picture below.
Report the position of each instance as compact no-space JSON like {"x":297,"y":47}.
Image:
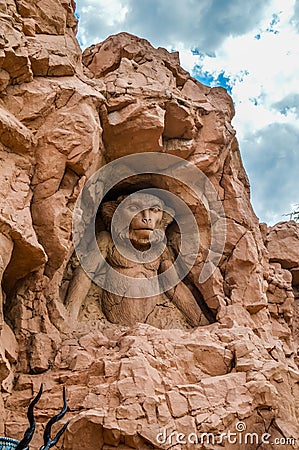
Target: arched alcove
{"x":173,"y":193}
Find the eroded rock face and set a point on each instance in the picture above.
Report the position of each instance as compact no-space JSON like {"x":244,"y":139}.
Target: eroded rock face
{"x":282,"y":241}
{"x":61,"y":120}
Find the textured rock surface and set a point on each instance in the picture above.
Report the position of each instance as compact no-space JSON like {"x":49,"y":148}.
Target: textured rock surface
{"x":60,"y":121}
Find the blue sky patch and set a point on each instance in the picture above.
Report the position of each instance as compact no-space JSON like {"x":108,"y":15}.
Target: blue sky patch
{"x":209,"y":79}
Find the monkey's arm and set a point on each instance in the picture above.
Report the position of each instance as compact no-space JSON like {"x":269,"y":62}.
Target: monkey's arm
{"x":81,"y":282}
{"x":182,"y":298}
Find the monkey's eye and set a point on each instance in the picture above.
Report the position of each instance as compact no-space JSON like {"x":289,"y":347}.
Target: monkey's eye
{"x":133,"y":208}
{"x":155,"y":209}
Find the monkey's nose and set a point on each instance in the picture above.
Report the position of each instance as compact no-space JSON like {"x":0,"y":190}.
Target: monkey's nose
{"x":146,"y":216}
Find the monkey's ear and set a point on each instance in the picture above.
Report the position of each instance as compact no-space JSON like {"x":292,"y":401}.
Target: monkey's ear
{"x":121,"y":198}
{"x":167,"y":218}
{"x":107,"y":210}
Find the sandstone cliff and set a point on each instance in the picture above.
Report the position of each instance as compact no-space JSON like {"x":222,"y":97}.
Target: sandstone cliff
{"x":62,"y":117}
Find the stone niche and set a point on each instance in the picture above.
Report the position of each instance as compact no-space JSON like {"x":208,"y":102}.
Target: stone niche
{"x":63,"y":116}
{"x":163,"y":312}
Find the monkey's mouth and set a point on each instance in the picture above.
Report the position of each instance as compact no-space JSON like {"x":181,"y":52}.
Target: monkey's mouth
{"x":141,"y":233}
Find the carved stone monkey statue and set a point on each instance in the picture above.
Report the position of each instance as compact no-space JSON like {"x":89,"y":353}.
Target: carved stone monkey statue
{"x":148,"y":219}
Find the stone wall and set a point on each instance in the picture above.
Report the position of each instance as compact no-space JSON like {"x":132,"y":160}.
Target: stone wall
{"x":62,"y":117}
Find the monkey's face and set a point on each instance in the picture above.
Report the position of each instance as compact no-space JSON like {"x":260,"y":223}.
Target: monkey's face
{"x":144,"y":213}
{"x":142,"y":219}
{"x":146,"y":220}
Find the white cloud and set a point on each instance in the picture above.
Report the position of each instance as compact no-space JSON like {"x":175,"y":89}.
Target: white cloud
{"x":203,"y":23}
{"x":289,"y":105}
{"x":272,"y":160}
{"x":271,"y":64}
{"x":99,"y":18}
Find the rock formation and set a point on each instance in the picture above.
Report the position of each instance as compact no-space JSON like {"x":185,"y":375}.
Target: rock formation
{"x":64,"y":116}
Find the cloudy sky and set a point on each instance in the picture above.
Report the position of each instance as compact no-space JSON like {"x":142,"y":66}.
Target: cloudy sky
{"x":249,"y":47}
